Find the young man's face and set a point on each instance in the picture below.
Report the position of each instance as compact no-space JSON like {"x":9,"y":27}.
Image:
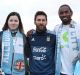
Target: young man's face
{"x":40,"y":23}
{"x":65,"y":14}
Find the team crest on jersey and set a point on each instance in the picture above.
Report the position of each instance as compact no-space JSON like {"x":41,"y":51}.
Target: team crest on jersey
{"x":19,"y":65}
{"x":32,"y":39}
{"x":48,"y":38}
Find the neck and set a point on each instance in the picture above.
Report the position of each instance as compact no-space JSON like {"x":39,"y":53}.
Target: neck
{"x":13,"y":32}
{"x":40,"y":31}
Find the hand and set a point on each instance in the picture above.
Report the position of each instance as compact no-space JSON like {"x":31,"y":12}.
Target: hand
{"x":75,"y":60}
{"x":29,"y":33}
{"x":1,"y":72}
{"x":79,"y":55}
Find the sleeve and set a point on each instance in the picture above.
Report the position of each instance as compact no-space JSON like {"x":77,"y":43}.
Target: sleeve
{"x":27,"y":50}
{"x":54,"y":42}
{"x":79,"y":55}
{"x":56,"y":28}
{"x":55,"y":48}
{"x":55,"y":52}
{"x":26,"y":55}
{"x":0,"y":46}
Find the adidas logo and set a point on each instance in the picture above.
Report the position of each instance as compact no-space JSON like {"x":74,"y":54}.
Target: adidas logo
{"x":32,"y":39}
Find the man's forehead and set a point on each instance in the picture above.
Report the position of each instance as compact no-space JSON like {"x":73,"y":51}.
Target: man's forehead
{"x":64,"y":8}
{"x":40,"y":16}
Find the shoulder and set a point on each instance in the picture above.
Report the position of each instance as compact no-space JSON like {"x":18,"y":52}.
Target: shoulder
{"x":74,"y":23}
{"x":51,"y":36}
{"x":50,"y":33}
{"x":57,"y":26}
{"x":23,"y":34}
{"x":1,"y":32}
{"x":24,"y":37}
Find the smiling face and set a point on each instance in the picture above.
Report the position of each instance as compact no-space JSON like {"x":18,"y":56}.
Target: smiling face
{"x":65,"y":14}
{"x":40,"y":23}
{"x":13,"y":22}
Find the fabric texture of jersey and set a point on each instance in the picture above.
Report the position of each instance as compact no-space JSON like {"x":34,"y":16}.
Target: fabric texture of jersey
{"x":42,"y":57}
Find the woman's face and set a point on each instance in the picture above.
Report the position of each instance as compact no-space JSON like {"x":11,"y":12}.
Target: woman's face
{"x":13,"y":22}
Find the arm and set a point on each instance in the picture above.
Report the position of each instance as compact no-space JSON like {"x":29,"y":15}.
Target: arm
{"x":1,"y":72}
{"x":0,"y":46}
{"x":26,"y":54}
{"x":30,"y":32}
{"x":27,"y":48}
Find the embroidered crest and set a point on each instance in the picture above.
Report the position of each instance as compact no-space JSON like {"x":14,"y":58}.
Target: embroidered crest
{"x":19,"y":65}
{"x":48,"y":38}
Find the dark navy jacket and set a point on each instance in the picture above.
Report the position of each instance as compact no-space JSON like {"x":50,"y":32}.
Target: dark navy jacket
{"x":42,"y":55}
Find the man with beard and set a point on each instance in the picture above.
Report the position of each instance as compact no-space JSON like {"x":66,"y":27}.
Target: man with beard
{"x":67,"y":36}
{"x":42,"y":43}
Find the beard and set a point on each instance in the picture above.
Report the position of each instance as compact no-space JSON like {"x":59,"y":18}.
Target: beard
{"x":41,"y":29}
{"x":66,"y":21}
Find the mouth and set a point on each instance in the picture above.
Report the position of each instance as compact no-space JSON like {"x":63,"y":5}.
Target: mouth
{"x":65,"y":18}
{"x":41,"y":26}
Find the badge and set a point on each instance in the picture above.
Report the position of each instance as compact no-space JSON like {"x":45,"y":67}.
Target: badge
{"x":19,"y":65}
{"x":48,"y":38}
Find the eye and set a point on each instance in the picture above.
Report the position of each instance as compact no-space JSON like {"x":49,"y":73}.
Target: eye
{"x":43,"y":20}
{"x":66,"y":12}
{"x":16,"y":20}
{"x":38,"y":19}
{"x":10,"y":20}
{"x":61,"y":13}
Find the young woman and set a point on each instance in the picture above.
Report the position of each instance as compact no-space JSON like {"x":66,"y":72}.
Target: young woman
{"x":12,"y":44}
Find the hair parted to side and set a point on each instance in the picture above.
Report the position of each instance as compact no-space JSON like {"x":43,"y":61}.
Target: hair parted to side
{"x":66,"y":6}
{"x":20,"y":27}
{"x":40,"y":13}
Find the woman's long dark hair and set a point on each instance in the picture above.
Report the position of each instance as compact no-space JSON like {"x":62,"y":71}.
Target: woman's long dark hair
{"x":20,"y":27}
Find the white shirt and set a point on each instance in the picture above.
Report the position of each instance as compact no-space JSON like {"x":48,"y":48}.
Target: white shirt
{"x":67,"y":55}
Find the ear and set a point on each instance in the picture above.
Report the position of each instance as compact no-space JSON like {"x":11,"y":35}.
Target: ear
{"x":46,"y":23}
{"x":71,"y":13}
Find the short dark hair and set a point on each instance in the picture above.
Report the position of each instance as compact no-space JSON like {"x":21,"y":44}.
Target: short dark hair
{"x":40,"y":13}
{"x":67,"y":6}
{"x":5,"y":27}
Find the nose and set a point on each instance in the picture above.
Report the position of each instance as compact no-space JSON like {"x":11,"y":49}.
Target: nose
{"x":41,"y":22}
{"x":13,"y":22}
{"x":64,"y":14}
